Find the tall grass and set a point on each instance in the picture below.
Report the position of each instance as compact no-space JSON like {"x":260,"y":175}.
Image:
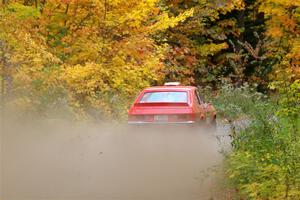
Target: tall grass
{"x":265,"y":161}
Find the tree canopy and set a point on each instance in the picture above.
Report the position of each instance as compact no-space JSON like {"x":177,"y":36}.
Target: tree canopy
{"x":93,"y":56}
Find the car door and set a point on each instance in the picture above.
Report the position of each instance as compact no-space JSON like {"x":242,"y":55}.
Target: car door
{"x":208,"y":110}
{"x":200,"y":106}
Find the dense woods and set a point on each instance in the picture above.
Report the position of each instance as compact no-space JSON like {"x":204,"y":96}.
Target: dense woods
{"x":89,"y":58}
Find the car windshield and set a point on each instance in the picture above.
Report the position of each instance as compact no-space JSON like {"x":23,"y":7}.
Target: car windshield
{"x":169,"y":97}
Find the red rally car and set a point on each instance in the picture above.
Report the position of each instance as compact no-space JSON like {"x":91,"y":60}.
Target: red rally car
{"x":171,"y":104}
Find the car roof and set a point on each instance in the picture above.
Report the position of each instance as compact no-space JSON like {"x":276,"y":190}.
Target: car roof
{"x":170,"y":88}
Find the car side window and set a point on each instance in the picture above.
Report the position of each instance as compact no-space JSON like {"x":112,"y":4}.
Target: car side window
{"x":200,"y":101}
{"x":197,"y":99}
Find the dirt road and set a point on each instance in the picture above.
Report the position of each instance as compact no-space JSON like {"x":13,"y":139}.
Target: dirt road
{"x":86,"y":162}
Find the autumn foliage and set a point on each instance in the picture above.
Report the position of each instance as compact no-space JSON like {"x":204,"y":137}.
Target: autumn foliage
{"x":88,"y":59}
{"x":91,"y":57}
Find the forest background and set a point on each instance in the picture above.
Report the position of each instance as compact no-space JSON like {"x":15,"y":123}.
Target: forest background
{"x":88,"y":59}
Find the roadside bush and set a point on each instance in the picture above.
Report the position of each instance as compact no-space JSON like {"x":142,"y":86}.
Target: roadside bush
{"x":265,"y":161}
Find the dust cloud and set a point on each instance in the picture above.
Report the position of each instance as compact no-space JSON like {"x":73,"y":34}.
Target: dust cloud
{"x":60,"y":160}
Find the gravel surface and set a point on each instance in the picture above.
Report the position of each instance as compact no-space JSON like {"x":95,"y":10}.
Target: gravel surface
{"x":64,"y":161}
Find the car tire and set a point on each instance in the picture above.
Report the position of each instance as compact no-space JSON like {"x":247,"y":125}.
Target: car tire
{"x":213,"y":125}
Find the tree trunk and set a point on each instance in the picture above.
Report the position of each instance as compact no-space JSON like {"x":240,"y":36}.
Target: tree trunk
{"x":241,"y":25}
{"x":6,"y":78}
{"x":2,"y":61}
